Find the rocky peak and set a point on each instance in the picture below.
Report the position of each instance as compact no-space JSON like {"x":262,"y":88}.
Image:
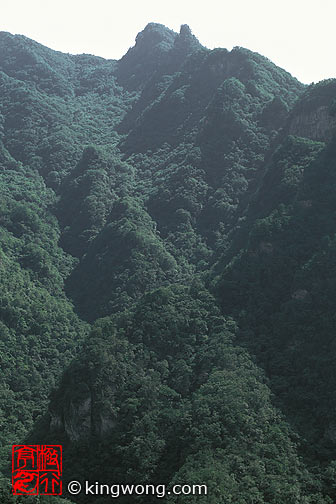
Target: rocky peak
{"x":155,"y":33}
{"x":150,"y":50}
{"x":185,"y":31}
{"x":153,"y":39}
{"x":186,"y":40}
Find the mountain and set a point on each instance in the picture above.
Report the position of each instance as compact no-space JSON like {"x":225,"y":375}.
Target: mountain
{"x":167,"y":264}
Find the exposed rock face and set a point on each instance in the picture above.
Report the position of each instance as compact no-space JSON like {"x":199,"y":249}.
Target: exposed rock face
{"x":78,"y":418}
{"x":330,"y":432}
{"x":301,"y":295}
{"x":74,"y":419}
{"x":105,"y":425}
{"x":316,"y":124}
{"x":266,"y":247}
{"x":305,"y":203}
{"x":56,"y":423}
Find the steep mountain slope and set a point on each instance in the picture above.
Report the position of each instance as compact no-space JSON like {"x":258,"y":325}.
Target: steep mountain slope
{"x":39,"y":331}
{"x":162,"y":394}
{"x":137,"y":190}
{"x":281,"y":285}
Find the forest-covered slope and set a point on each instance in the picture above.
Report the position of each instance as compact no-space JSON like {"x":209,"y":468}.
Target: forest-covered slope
{"x":167,"y":240}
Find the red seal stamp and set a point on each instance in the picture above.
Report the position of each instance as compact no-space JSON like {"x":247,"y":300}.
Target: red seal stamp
{"x":37,"y":469}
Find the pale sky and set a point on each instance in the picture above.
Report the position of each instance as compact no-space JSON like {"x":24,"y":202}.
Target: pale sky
{"x":298,"y":35}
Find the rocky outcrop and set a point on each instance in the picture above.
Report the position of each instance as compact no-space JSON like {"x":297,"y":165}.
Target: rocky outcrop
{"x":315,"y":124}
{"x":73,"y":418}
{"x":266,"y":247}
{"x":301,"y":295}
{"x":79,"y":417}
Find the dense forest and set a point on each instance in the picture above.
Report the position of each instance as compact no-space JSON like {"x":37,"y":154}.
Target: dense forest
{"x":168,"y":270}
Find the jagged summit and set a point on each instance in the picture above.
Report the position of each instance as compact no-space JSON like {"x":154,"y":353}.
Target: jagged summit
{"x":187,"y":35}
{"x":156,"y":37}
{"x":156,"y":46}
{"x":153,"y":34}
{"x":185,"y":30}
{"x":185,"y":43}
{"x":153,"y":37}
{"x":150,"y":44}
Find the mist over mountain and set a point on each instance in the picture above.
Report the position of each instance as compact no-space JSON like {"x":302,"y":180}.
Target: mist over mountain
{"x":167,"y":263}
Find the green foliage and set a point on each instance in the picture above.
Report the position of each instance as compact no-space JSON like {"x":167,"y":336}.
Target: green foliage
{"x":165,"y":391}
{"x":281,"y":286}
{"x":130,"y":190}
{"x":126,"y":259}
{"x":39,"y":330}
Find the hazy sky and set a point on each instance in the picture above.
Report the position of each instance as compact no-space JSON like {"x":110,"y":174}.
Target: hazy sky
{"x":298,"y":35}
